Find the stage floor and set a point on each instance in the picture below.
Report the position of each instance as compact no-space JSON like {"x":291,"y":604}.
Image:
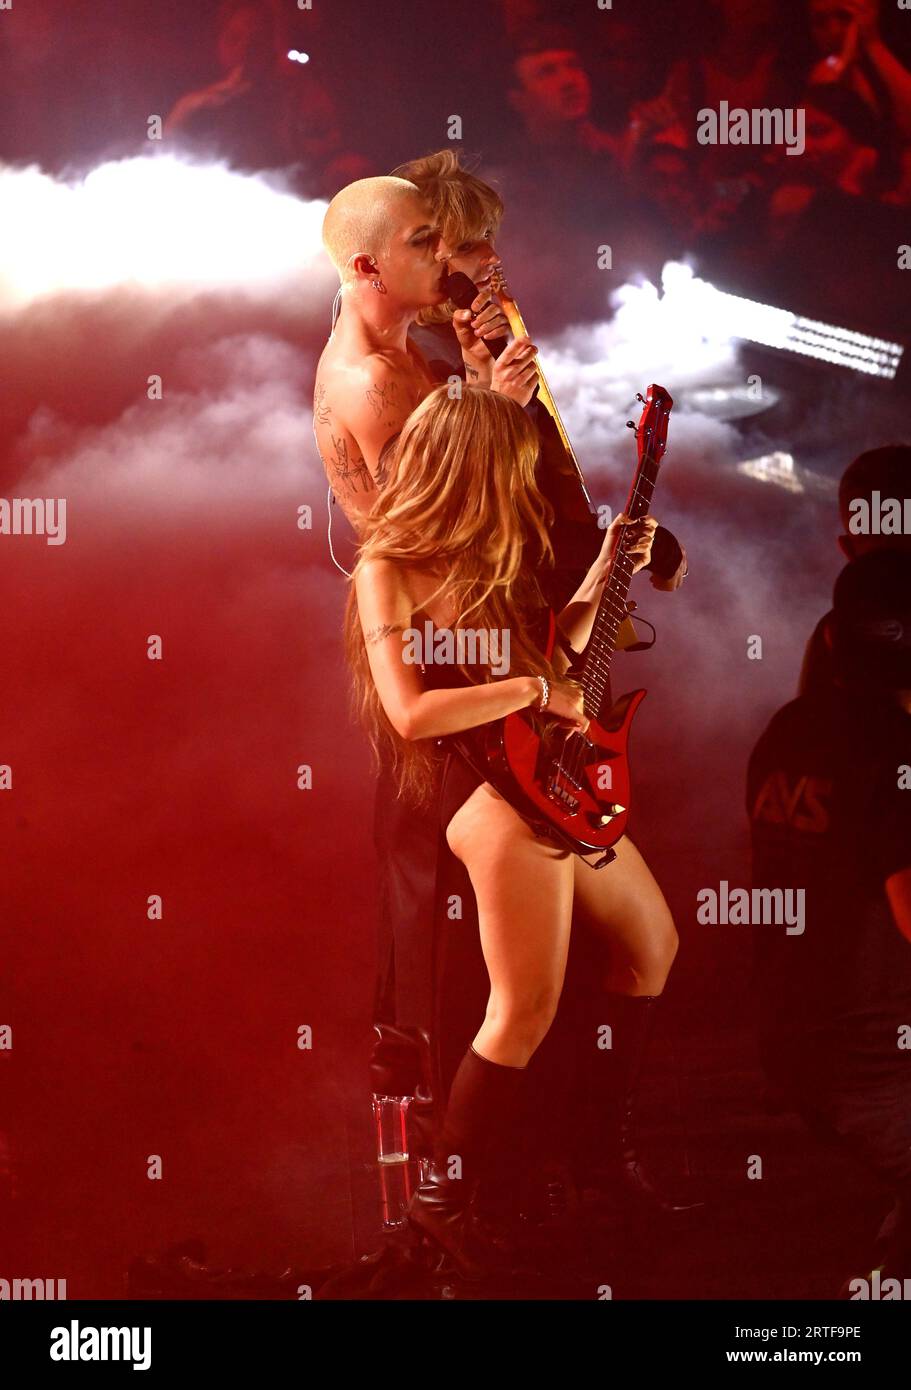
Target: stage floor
{"x":312,"y":1202}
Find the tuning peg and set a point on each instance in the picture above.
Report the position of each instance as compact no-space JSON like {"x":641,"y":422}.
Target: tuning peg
{"x":640,"y":397}
{"x":631,"y":425}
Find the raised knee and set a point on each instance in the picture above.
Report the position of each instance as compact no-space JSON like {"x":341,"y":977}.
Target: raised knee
{"x":656,"y":963}
{"x":526,"y":1020}
{"x":649,"y":965}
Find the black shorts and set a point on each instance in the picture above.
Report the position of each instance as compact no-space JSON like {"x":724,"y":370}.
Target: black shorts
{"x":459,"y":781}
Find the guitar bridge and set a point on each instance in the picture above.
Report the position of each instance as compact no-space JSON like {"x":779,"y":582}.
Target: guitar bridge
{"x":564,"y":771}
{"x":557,"y":778}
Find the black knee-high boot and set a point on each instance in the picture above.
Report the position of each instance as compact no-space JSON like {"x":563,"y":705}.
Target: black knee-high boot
{"x":607,"y":1153}
{"x":479,"y":1125}
{"x":523,"y":1196}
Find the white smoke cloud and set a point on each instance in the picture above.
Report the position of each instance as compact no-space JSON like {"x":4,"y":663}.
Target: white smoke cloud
{"x":595,"y":371}
{"x":183,"y":512}
{"x":231,"y":450}
{"x":160,"y":222}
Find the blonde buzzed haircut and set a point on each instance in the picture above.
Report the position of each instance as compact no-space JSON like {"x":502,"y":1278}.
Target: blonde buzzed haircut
{"x":359,"y":219}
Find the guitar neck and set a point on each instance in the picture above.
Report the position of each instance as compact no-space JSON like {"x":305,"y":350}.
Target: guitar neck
{"x":517,"y":324}
{"x":612,"y":611}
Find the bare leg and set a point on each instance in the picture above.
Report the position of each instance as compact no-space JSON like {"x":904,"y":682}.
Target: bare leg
{"x":624,"y":906}
{"x":524,"y":891}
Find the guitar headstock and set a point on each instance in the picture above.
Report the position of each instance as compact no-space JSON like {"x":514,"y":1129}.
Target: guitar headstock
{"x":498,"y":281}
{"x":651,"y":432}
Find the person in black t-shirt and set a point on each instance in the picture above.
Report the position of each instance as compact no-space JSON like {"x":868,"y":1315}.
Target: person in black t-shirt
{"x":829,"y":801}
{"x":886,"y":472}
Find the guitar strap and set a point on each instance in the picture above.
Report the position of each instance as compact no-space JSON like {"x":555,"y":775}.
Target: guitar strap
{"x":628,"y":641}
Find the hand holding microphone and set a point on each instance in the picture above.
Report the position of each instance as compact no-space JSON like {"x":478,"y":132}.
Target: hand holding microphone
{"x":515,"y":373}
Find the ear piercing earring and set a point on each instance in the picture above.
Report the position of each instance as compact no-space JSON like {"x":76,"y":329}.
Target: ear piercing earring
{"x":378,"y":286}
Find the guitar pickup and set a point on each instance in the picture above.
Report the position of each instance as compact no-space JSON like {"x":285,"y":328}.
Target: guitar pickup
{"x":551,"y":762}
{"x":564,"y":772}
{"x":562,"y":797}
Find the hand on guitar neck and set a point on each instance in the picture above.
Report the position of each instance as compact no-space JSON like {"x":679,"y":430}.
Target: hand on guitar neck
{"x":637,"y":543}
{"x":577,"y":618}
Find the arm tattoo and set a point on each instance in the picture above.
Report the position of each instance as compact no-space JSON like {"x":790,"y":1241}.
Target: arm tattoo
{"x":381,"y":398}
{"x":350,"y":469}
{"x":376,"y":634}
{"x":320,"y":408}
{"x":471,"y":371}
{"x":381,"y":476}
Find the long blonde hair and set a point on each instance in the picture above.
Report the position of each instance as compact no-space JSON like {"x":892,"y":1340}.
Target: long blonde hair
{"x":461,"y":498}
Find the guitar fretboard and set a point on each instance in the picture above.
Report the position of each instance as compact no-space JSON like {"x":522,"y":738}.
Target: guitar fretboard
{"x":595,"y":678}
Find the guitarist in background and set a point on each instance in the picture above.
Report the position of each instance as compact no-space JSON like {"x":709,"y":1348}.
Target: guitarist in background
{"x":428,"y":557}
{"x":468,"y":213}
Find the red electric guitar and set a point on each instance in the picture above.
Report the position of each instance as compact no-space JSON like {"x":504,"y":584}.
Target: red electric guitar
{"x":571,"y":786}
